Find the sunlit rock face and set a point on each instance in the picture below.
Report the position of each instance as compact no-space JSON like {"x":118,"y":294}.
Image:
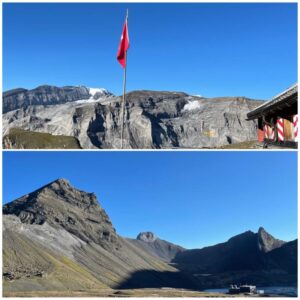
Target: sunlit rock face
{"x":153,"y":119}
{"x":50,"y":95}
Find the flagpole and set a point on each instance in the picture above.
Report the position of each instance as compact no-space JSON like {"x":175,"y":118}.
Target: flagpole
{"x":124,"y":91}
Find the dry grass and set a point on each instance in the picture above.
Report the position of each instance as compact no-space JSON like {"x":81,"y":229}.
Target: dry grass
{"x":243,"y":145}
{"x":151,"y":292}
{"x":24,"y":139}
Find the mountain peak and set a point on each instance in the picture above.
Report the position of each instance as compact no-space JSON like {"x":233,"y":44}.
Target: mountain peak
{"x":147,"y":236}
{"x":261,"y":230}
{"x":62,"y":187}
{"x":64,"y":206}
{"x":59,"y":181}
{"x":242,"y":236}
{"x":62,"y":180}
{"x":266,"y":242}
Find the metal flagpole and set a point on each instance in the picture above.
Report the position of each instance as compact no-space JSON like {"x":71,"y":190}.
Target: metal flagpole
{"x":124,"y":89}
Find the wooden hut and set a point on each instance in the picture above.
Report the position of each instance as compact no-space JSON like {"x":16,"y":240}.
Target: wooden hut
{"x":278,"y":119}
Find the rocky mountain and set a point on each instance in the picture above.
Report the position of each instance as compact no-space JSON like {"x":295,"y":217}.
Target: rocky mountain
{"x":153,"y":245}
{"x":59,"y":238}
{"x":258,"y":258}
{"x":153,"y":120}
{"x":266,"y":242}
{"x":245,"y":251}
{"x":62,"y":206}
{"x":49,"y":95}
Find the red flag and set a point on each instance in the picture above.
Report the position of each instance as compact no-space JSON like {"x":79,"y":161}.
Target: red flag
{"x":124,"y":45}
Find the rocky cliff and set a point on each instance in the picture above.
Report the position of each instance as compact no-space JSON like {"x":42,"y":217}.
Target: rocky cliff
{"x":152,"y":120}
{"x":49,"y":95}
{"x":62,"y":206}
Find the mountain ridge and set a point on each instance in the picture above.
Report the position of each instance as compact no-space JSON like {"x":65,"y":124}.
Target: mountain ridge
{"x":49,"y":95}
{"x":58,"y":231}
{"x":153,"y":119}
{"x":155,"y":246}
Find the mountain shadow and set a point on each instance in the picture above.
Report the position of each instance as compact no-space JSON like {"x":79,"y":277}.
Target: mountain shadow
{"x":159,"y":279}
{"x":256,"y":258}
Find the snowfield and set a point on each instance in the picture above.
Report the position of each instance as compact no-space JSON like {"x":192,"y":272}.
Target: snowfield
{"x":192,"y":105}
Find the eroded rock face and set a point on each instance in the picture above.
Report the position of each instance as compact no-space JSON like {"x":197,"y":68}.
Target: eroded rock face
{"x":146,"y":237}
{"x":48,"y":95}
{"x":171,"y":120}
{"x":152,"y":120}
{"x":62,"y":206}
{"x":266,"y":242}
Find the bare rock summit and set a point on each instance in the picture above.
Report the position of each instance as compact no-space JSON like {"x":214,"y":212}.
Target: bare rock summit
{"x":146,"y":236}
{"x":63,"y":206}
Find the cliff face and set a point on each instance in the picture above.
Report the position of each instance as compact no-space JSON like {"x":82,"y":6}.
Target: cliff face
{"x":175,"y":120}
{"x":153,"y":120}
{"x":47,"y":95}
{"x":65,"y":207}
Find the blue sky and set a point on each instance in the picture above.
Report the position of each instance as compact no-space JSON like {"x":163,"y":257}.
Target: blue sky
{"x":246,"y":49}
{"x":193,"y":199}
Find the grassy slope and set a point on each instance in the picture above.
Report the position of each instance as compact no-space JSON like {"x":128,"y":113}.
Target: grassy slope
{"x":20,"y":138}
{"x":60,"y":273}
{"x":93,"y":268}
{"x":112,"y":267}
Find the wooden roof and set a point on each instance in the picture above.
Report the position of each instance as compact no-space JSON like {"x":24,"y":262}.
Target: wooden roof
{"x":283,"y":101}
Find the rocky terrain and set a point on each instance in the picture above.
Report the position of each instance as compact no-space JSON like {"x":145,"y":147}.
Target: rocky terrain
{"x":232,"y":254}
{"x":59,"y":240}
{"x":161,"y":249}
{"x":154,"y":119}
{"x":247,"y":257}
{"x":49,"y":95}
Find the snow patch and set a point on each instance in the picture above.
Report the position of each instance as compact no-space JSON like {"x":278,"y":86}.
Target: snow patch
{"x":93,"y":91}
{"x":91,"y":100}
{"x":192,"y":105}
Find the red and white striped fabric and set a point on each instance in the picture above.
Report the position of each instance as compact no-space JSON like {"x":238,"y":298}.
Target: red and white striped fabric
{"x":266,"y":131}
{"x":280,"y":129}
{"x":269,"y":132}
{"x":295,"y":123}
{"x":272,"y":133}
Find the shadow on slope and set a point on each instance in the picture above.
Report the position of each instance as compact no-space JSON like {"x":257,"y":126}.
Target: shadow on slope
{"x":156,"y":279}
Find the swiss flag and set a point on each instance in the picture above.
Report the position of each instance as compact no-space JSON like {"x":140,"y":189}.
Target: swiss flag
{"x":124,"y":45}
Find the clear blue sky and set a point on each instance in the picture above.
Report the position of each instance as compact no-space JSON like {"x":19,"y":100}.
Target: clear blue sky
{"x":190,"y":198}
{"x":246,"y":49}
